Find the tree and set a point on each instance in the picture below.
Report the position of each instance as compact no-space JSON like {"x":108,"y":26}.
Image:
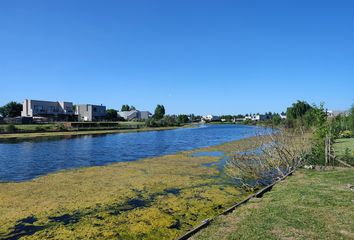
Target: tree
{"x":351,"y":118}
{"x":321,"y":132}
{"x":132,"y":108}
{"x":298,"y":110}
{"x":159,"y":112}
{"x":182,"y":118}
{"x":111,"y":114}
{"x":276,"y":119}
{"x":125,"y":107}
{"x":11,"y":109}
{"x":299,"y":114}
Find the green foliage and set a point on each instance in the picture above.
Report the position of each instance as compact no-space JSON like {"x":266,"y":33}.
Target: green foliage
{"x":166,"y":121}
{"x":40,"y":129}
{"x":125,"y":108}
{"x":111,"y":114}
{"x":345,"y":134}
{"x":298,"y":110}
{"x":159,"y":112}
{"x":11,"y":109}
{"x":11,"y":128}
{"x":276,"y":119}
{"x":182,"y":119}
{"x":228,"y":118}
{"x":299,"y":115}
{"x":348,"y":156}
{"x":344,"y":122}
{"x":60,"y":127}
{"x":351,"y":118}
{"x":247,"y":122}
{"x":321,"y":131}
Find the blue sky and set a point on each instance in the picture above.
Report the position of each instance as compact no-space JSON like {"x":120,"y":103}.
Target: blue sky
{"x":192,"y":56}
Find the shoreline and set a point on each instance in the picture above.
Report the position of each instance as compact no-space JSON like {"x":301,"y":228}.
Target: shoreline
{"x":26,"y":136}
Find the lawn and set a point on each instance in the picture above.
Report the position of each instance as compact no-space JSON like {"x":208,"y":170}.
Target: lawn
{"x":308,"y":205}
{"x":342,"y":144}
{"x":35,"y":127}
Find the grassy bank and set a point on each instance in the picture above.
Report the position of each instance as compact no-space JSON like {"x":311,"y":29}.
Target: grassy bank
{"x":19,"y":136}
{"x":155,"y":198}
{"x":308,"y":205}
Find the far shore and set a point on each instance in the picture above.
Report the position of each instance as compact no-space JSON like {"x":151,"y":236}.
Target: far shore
{"x":19,"y":136}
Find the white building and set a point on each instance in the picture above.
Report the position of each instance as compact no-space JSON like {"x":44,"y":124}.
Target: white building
{"x":32,"y":108}
{"x":89,"y":112}
{"x":210,"y":118}
{"x":335,"y":113}
{"x":134,"y":115}
{"x":258,"y":117}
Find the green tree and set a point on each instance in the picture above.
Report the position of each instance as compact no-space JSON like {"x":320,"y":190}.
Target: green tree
{"x":351,"y":118}
{"x":298,"y":110}
{"x":11,"y":109}
{"x":299,"y":114}
{"x":182,"y":118}
{"x":132,"y":108}
{"x":276,"y":119}
{"x":159,"y":112}
{"x":111,"y":114}
{"x":125,"y":107}
{"x":228,"y":118}
{"x":321,"y":131}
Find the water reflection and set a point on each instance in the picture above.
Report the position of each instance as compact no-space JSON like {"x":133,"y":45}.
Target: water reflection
{"x":26,"y":160}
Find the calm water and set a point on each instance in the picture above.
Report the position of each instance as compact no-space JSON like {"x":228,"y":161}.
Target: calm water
{"x":27,"y":160}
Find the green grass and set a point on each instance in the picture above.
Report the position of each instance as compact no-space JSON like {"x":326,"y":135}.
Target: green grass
{"x":309,"y":205}
{"x":342,"y":144}
{"x":33,"y":127}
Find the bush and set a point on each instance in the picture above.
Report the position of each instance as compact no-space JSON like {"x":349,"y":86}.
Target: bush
{"x":39,"y":129}
{"x":10,"y":128}
{"x":61,"y":127}
{"x":348,"y":156}
{"x":345,"y":134}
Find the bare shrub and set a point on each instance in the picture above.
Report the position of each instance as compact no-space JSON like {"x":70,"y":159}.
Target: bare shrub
{"x":275,"y":153}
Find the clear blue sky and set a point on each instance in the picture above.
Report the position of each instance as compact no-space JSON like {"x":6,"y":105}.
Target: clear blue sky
{"x":192,"y":56}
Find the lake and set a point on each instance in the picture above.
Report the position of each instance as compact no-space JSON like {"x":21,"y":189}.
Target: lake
{"x":26,"y":160}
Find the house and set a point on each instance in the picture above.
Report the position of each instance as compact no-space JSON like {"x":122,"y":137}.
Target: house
{"x":335,"y":113}
{"x":134,"y":115}
{"x":258,"y":117}
{"x":90,"y":112}
{"x":210,"y":118}
{"x":32,"y":108}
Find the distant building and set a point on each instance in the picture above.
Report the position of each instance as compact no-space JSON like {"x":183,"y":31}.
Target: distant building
{"x":258,"y":117}
{"x":282,"y":116}
{"x":134,"y":115}
{"x":90,"y":113}
{"x":335,"y":113}
{"x":210,"y":118}
{"x":32,"y":108}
